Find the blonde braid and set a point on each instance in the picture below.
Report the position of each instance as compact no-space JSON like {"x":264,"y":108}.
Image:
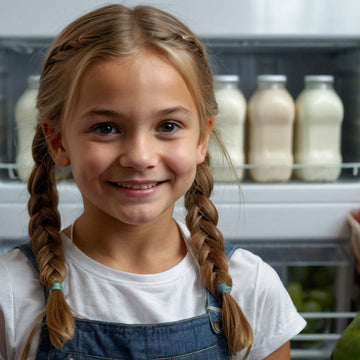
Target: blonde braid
{"x":44,"y":231}
{"x":208,"y":245}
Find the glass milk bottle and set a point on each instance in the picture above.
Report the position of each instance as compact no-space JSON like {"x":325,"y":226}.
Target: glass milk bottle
{"x":319,"y":114}
{"x":230,"y":122}
{"x":271,"y":117}
{"x":26,"y":120}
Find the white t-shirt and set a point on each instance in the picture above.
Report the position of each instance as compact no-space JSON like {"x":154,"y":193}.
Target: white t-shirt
{"x":95,"y":291}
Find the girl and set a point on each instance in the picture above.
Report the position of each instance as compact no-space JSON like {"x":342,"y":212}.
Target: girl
{"x":126,"y":98}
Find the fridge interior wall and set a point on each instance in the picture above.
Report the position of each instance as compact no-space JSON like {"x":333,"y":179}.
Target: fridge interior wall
{"x":248,"y":58}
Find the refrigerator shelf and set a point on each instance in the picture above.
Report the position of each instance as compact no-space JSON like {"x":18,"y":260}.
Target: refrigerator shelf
{"x":318,"y":345}
{"x":248,"y":211}
{"x":350,"y":170}
{"x":348,"y":165}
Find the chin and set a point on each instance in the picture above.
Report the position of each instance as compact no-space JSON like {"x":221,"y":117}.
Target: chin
{"x":137,"y":219}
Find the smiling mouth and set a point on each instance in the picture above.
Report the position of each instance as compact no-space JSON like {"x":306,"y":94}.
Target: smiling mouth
{"x":137,"y":186}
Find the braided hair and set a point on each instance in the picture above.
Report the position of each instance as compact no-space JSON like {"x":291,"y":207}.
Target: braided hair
{"x":207,"y":242}
{"x":104,"y":34}
{"x":44,"y":230}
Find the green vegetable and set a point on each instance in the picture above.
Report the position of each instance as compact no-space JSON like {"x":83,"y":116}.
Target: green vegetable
{"x":311,"y":290}
{"x":323,"y":277}
{"x":348,"y":346}
{"x":312,"y":276}
{"x":299,"y":274}
{"x":323,"y":296}
{"x":296,"y":293}
{"x":313,"y":325}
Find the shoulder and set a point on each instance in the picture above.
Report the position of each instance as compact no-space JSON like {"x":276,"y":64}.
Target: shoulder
{"x":264,"y":301}
{"x":21,"y":300}
{"x":16,"y":268}
{"x":250,"y":267}
{"x":19,"y":279}
{"x":15,"y":263}
{"x":252,"y":277}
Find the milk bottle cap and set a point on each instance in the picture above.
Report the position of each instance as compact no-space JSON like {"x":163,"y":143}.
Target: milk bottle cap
{"x":319,"y":78}
{"x":33,"y":80}
{"x":227,"y":78}
{"x":272,"y":78}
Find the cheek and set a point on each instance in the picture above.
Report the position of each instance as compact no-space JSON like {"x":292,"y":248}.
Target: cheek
{"x":183,"y":163}
{"x":88,"y":162}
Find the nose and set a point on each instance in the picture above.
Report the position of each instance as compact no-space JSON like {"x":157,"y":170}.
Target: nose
{"x":139,"y":152}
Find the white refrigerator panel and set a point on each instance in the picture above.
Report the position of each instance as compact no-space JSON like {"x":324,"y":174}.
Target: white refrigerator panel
{"x":260,"y":212}
{"x":208,"y":18}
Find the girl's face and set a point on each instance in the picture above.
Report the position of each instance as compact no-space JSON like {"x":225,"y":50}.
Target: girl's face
{"x":132,"y":138}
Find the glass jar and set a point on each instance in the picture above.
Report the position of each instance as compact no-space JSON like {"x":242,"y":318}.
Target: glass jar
{"x":230,"y":123}
{"x":271,"y":117}
{"x":26,"y":119}
{"x":319,"y":115}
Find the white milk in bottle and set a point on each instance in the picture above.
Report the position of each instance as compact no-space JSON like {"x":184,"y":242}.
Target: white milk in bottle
{"x":230,"y":122}
{"x":26,"y":120}
{"x":271,"y":116}
{"x":319,"y":114}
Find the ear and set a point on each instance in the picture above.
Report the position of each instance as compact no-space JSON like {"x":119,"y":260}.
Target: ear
{"x":54,"y":140}
{"x":204,"y":141}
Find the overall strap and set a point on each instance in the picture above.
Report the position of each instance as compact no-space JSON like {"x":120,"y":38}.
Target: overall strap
{"x":27,"y":250}
{"x":213,"y":304}
{"x":229,"y":249}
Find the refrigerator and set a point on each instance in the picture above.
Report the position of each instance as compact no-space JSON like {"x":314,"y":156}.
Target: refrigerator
{"x":302,"y":229}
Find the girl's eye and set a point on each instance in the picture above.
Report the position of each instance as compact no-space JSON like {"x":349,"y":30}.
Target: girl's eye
{"x":168,"y":127}
{"x":104,"y":129}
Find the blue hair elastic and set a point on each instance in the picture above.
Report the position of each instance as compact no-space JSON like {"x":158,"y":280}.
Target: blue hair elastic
{"x":223,"y":288}
{"x":56,"y":285}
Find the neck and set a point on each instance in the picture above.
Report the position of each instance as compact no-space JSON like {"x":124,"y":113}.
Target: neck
{"x":146,"y":248}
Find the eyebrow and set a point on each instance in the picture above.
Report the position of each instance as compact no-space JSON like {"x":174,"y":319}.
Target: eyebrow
{"x":172,"y":110}
{"x":103,"y":112}
{"x":163,"y":112}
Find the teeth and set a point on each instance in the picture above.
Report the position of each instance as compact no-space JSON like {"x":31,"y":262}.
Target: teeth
{"x":137,"y":186}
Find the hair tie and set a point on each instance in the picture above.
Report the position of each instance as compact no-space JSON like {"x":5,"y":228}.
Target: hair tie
{"x":56,"y":285}
{"x":223,"y":288}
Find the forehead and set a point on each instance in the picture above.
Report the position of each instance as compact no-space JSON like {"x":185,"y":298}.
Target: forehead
{"x":145,"y":77}
{"x":131,"y":69}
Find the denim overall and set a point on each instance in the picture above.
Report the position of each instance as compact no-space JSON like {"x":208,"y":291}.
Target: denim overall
{"x":197,"y":338}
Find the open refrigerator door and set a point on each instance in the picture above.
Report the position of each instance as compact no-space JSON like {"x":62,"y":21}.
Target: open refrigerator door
{"x":299,"y":227}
